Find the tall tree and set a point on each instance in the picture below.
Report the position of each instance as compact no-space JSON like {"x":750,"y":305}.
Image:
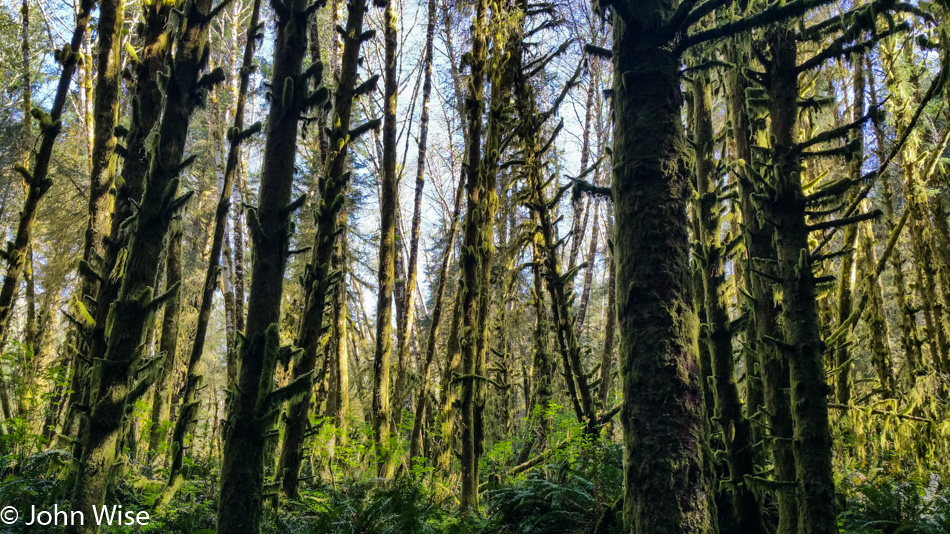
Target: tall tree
{"x":236,"y":135}
{"x":116,"y":381}
{"x":255,"y":402}
{"x":382,"y":410}
{"x":319,"y":277}
{"x":662,"y":415}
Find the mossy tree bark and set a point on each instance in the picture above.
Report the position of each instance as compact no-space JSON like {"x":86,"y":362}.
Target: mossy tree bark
{"x":254,"y":403}
{"x":168,"y":343}
{"x":802,"y":344}
{"x":535,"y":198}
{"x":320,"y":278}
{"x":476,"y":245}
{"x":666,"y":490}
{"x":114,"y":382}
{"x":146,"y":110}
{"x":910,"y":336}
{"x":382,"y":411}
{"x":736,"y":432}
{"x":187,"y":414}
{"x":105,"y":117}
{"x":878,"y":329}
{"x":772,"y":392}
{"x":843,"y":355}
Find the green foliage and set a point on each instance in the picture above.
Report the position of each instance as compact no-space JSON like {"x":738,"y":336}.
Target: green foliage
{"x":880,"y":504}
{"x":363,"y":508}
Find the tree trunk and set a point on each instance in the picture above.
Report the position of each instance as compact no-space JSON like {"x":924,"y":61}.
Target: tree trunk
{"x":415,"y":441}
{"x":406,"y":320}
{"x":474,"y":252}
{"x":664,"y":429}
{"x":146,"y":110}
{"x":382,"y":411}
{"x":319,"y":277}
{"x":104,"y":160}
{"x":37,"y":180}
{"x":190,"y":402}
{"x":736,"y":434}
{"x":114,"y":382}
{"x":802,"y":343}
{"x":606,"y":360}
{"x":168,"y":343}
{"x":772,"y":392}
{"x":843,"y":362}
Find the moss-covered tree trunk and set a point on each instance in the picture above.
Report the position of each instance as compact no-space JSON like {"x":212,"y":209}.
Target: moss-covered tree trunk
{"x":168,"y":343}
{"x":843,"y":354}
{"x":448,"y":415}
{"x":155,"y":41}
{"x":772,"y":392}
{"x":187,"y":415}
{"x":105,"y":116}
{"x":802,"y":344}
{"x":320,"y":278}
{"x":254,"y":403}
{"x":115,"y":380}
{"x":910,"y":337}
{"x":387,"y":251}
{"x":665,"y":487}
{"x":338,"y":404}
{"x":878,"y":330}
{"x":607,"y":357}
{"x":736,"y":432}
{"x":473,"y":254}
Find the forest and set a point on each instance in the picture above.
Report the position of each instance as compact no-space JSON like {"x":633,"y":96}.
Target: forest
{"x":475,"y":266}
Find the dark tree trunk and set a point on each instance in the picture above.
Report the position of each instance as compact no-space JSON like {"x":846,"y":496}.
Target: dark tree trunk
{"x":104,"y":161}
{"x":665,"y":435}
{"x":168,"y":343}
{"x":802,"y":344}
{"x":319,"y":277}
{"x":187,"y":415}
{"x":736,"y":434}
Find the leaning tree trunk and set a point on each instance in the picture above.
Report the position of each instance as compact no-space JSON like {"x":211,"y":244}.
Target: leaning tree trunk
{"x":187,"y":415}
{"x":403,"y":335}
{"x":811,"y":442}
{"x":665,"y":438}
{"x":319,"y":277}
{"x":415,"y":440}
{"x":114,"y":382}
{"x":910,"y":337}
{"x":37,"y":180}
